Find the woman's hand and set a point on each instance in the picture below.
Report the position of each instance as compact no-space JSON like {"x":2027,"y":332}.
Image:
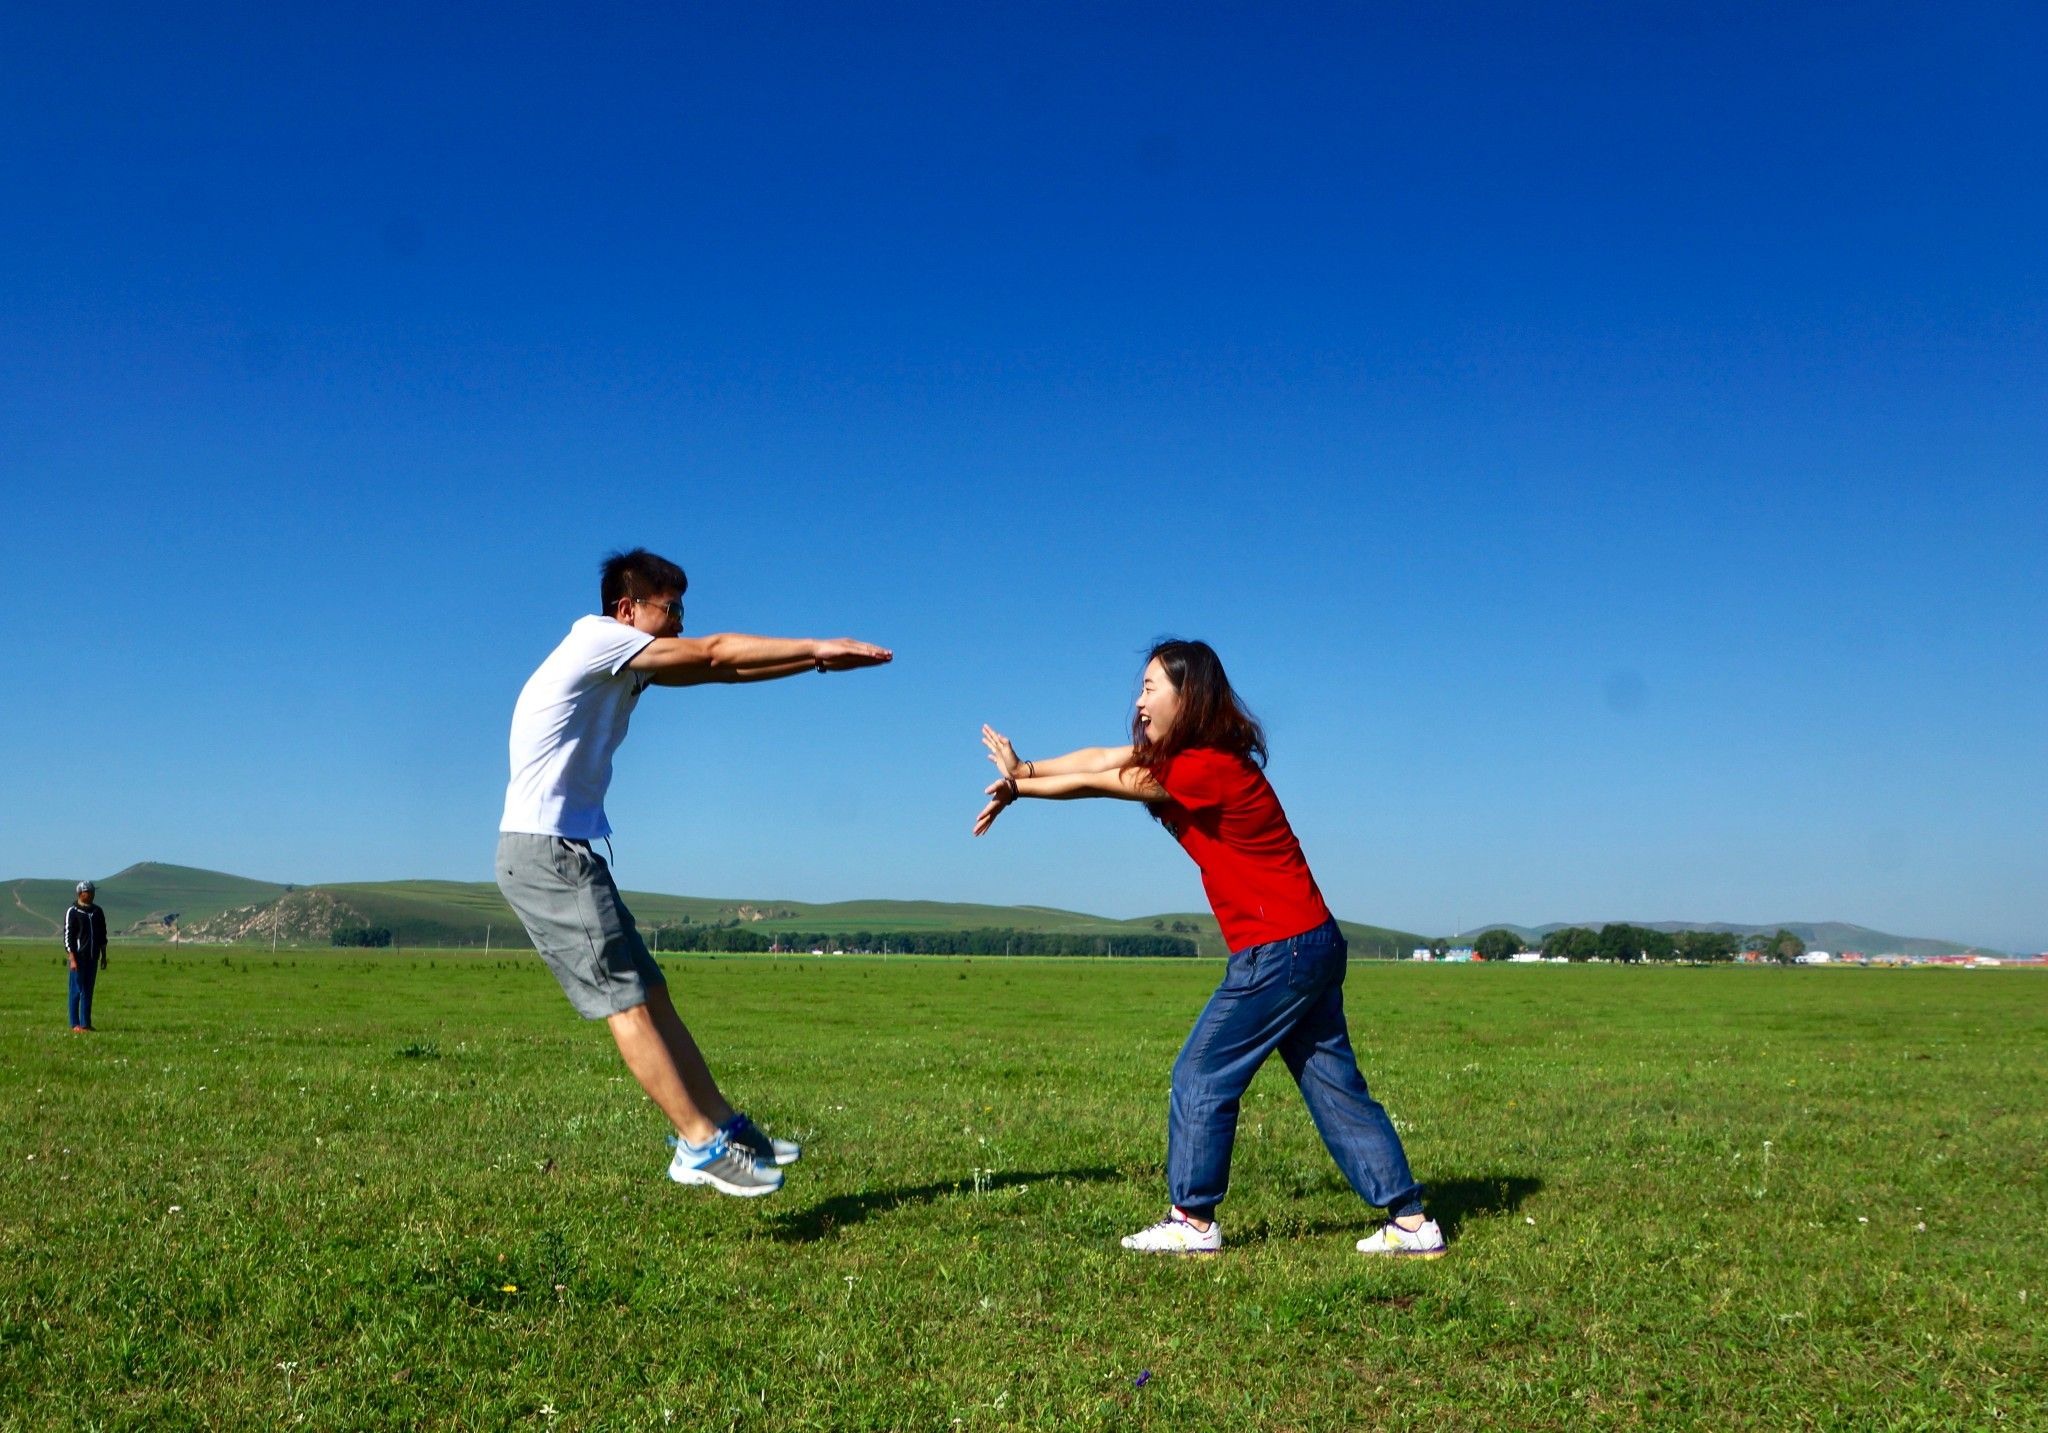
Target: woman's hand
{"x":1000,"y":794}
{"x":1000,"y":751}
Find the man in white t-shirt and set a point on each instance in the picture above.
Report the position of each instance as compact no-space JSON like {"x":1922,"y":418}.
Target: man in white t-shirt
{"x":570,"y":718}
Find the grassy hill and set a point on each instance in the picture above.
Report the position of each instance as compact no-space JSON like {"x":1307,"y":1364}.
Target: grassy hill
{"x":1834,"y":936}
{"x":142,"y":893}
{"x":453,"y":913}
{"x":214,"y":906}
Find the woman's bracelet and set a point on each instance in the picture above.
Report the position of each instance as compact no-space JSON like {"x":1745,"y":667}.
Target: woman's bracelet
{"x":1011,"y":782}
{"x":1031,"y":768}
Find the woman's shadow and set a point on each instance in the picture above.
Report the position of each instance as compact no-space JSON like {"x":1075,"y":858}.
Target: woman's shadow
{"x":1452,"y":1201}
{"x":1448,"y":1201}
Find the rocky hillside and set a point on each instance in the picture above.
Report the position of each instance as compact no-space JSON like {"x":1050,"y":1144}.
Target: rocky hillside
{"x":307,"y":917}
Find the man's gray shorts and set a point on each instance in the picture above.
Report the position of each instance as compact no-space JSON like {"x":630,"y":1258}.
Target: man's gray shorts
{"x":564,"y":895}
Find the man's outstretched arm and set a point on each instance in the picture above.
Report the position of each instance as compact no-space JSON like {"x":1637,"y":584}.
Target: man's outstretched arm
{"x":737,"y":657}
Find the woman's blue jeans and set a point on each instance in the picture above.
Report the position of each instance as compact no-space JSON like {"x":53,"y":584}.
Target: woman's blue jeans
{"x":1286,"y":996}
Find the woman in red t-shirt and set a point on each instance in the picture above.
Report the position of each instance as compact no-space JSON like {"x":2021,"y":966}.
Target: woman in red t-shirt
{"x":1196,"y":758}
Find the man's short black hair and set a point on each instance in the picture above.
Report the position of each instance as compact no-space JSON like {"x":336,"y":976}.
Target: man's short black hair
{"x":638,"y":573}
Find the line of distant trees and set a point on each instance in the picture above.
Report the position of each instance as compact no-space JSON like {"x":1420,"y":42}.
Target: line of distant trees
{"x":985,"y":941}
{"x":374,"y":937}
{"x":1628,"y":943}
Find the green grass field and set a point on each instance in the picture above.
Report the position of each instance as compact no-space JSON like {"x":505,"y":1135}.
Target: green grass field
{"x":339,"y":1191}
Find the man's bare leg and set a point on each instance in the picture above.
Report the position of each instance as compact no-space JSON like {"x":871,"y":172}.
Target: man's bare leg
{"x":689,"y":1060}
{"x":665,"y":1060}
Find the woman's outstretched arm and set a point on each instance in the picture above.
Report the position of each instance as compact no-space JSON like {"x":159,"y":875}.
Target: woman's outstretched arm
{"x":1087,"y":759}
{"x":1126,"y":783}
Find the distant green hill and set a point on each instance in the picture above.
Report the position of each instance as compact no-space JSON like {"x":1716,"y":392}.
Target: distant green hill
{"x":1834,"y":936}
{"x":215,"y":907}
{"x":142,"y":893}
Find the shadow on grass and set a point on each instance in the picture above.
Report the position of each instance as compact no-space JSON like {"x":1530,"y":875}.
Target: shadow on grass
{"x":821,"y":1220}
{"x":1452,"y":1201}
{"x":1449,"y":1201}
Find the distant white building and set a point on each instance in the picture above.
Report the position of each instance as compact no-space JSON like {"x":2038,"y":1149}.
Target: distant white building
{"x":1814,"y":957}
{"x":1527,"y":957}
{"x":1421,"y":953}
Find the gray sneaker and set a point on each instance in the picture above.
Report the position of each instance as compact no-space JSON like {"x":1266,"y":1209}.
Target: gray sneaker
{"x":767,"y":1149}
{"x":728,"y":1167}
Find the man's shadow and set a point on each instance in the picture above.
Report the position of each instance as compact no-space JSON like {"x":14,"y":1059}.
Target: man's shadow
{"x":823,"y":1219}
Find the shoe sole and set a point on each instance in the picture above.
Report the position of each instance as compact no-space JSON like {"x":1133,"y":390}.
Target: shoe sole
{"x":737,"y":1191}
{"x":1178,"y":1253}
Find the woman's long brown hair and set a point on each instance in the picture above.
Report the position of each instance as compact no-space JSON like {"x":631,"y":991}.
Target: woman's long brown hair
{"x":1211,"y":714}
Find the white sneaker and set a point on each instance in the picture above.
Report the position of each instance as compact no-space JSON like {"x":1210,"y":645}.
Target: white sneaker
{"x":727,"y":1167}
{"x":1426,"y":1242}
{"x":1174,"y":1235}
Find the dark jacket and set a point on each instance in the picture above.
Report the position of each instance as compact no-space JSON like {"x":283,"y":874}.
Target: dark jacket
{"x":85,"y":931}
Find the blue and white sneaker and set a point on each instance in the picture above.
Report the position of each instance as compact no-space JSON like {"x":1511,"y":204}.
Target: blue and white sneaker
{"x":725,"y":1165}
{"x":767,"y":1149}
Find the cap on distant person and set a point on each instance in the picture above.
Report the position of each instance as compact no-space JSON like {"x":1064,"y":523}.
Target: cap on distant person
{"x":86,"y":888}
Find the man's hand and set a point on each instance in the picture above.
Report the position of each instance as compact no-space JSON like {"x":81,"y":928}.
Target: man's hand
{"x":1000,"y":751}
{"x":70,"y":961}
{"x":103,"y":960}
{"x":843,"y":654}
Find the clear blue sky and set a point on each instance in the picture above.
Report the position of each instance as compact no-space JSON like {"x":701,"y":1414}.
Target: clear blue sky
{"x":1607,"y":445}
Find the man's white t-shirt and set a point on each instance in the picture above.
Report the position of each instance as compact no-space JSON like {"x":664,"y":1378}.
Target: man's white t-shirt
{"x":570,"y":718}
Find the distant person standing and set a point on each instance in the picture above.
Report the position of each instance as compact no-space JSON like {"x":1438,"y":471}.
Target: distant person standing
{"x":570,"y":718}
{"x":85,"y":951}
